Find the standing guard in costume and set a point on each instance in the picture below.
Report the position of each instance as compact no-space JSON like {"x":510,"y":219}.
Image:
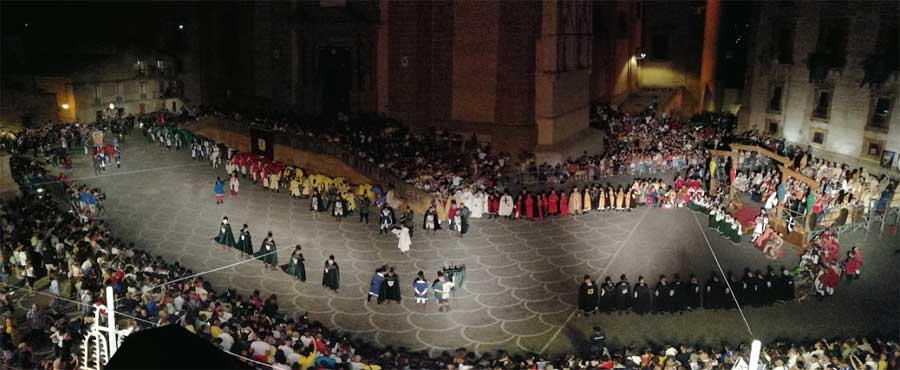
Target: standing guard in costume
{"x":420,"y":288}
{"x":607,"y":301}
{"x":694,"y":293}
{"x":642,"y":300}
{"x":587,"y":297}
{"x":623,"y":294}
{"x":661,"y":295}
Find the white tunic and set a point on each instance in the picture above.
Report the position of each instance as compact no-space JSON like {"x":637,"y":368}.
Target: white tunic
{"x":403,"y":235}
{"x":477,"y":207}
{"x":506,"y":205}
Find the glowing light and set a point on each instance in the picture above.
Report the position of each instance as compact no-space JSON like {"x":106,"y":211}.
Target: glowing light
{"x":112,"y":106}
{"x":65,"y":106}
{"x":180,"y":26}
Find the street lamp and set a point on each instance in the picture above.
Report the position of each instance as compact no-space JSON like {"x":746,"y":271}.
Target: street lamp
{"x":65,"y":106}
{"x":112,"y":106}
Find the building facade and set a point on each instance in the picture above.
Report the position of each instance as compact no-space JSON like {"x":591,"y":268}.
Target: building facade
{"x":130,"y":82}
{"x":824,"y":74}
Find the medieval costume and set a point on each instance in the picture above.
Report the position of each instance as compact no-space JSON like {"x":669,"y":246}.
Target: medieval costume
{"x":506,"y":206}
{"x":296,"y":266}
{"x":661,"y":300}
{"x":430,"y":221}
{"x":404,"y":242}
{"x":575,"y":202}
{"x":375,"y":285}
{"x":331,"y":278}
{"x":420,"y":288}
{"x":586,"y":202}
{"x":694,"y":293}
{"x":386,"y":219}
{"x":587,"y":296}
{"x":315,"y":202}
{"x":552,"y":203}
{"x":245,"y":244}
{"x":623,"y":294}
{"x":606,"y":301}
{"x":267,"y":252}
{"x":642,"y":300}
{"x":225,"y":236}
{"x":390,"y":287}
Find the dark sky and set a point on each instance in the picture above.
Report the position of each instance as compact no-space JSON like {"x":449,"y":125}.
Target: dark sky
{"x":71,"y":25}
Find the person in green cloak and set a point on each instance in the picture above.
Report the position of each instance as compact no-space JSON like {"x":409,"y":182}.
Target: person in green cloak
{"x":331,"y":278}
{"x":296,"y":266}
{"x":245,"y":243}
{"x":266,"y":252}
{"x":225,"y":236}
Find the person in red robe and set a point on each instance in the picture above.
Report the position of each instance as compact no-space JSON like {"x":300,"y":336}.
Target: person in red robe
{"x":552,"y":203}
{"x":529,"y":207}
{"x":827,"y":280}
{"x":853,"y":264}
{"x":493,"y":205}
{"x":539,"y":214}
{"x":518,"y":208}
{"x":563,"y":204}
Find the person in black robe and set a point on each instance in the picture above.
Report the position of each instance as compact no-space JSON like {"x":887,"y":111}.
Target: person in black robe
{"x":245,"y":242}
{"x":770,"y":287}
{"x":390,"y":287}
{"x":315,"y":202}
{"x":331,"y":278}
{"x":677,"y":295}
{"x":225,"y":236}
{"x":623,"y":294}
{"x":786,"y":285}
{"x":430,"y":220}
{"x":295,"y":266}
{"x":606,"y":302}
{"x":748,"y":288}
{"x":267,"y":252}
{"x":715,"y":290}
{"x":595,"y":197}
{"x":588,"y":295}
{"x":661,"y":295}
{"x":734,"y":288}
{"x":464,"y":214}
{"x":694,"y":293}
{"x":759,"y":284}
{"x":642,"y":300}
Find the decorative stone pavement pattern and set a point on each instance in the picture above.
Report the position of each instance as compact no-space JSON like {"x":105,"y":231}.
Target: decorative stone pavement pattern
{"x":521,"y":277}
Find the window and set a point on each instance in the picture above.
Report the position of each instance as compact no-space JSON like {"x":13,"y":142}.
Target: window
{"x":881,"y":113}
{"x":872,"y":148}
{"x":141,"y":67}
{"x":97,"y":94}
{"x":772,"y":127}
{"x":819,"y":137}
{"x":823,"y":104}
{"x":160,"y":65}
{"x":775,"y":98}
{"x":783,"y":42}
{"x":143,"y":89}
{"x":120,"y":91}
{"x":660,"y":46}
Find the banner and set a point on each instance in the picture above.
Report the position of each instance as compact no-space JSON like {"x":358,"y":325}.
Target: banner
{"x":97,"y":137}
{"x":262,"y":143}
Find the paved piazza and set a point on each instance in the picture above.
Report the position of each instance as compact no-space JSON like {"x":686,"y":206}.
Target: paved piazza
{"x":521,"y":279}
